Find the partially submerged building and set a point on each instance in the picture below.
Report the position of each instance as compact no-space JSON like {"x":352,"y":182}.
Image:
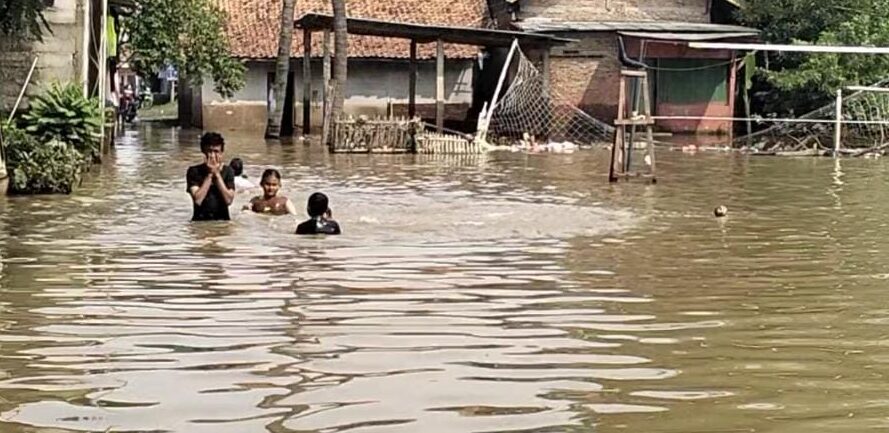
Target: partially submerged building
{"x":378,"y":66}
{"x":685,"y":81}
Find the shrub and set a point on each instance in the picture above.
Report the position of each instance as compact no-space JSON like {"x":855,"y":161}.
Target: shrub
{"x":37,"y":167}
{"x":62,"y":113}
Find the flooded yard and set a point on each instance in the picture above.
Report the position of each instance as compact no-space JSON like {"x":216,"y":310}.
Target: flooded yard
{"x":477,"y":293}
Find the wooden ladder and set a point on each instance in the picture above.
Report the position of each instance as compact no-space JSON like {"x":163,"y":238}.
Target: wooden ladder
{"x":632,"y":116}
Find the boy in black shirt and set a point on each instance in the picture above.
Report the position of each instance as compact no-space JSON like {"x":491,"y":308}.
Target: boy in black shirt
{"x":211,"y":184}
{"x":319,"y":222}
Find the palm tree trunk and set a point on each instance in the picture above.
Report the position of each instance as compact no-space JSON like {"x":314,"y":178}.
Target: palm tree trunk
{"x":341,"y":46}
{"x":282,"y":69}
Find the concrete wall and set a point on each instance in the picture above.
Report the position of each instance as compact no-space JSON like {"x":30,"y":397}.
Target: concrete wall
{"x":372,"y":86}
{"x":255,"y":81}
{"x":243,"y":116}
{"x":60,"y":54}
{"x":616,"y":10}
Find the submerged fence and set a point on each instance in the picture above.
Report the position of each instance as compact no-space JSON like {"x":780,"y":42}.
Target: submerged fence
{"x":396,"y":135}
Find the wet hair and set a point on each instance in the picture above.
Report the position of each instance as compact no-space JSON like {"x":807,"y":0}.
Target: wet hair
{"x":318,"y":205}
{"x":237,"y":166}
{"x":210,"y":139}
{"x":270,"y":172}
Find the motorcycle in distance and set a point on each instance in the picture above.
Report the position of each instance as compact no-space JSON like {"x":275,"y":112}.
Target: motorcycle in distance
{"x":127,"y":108}
{"x":131,"y":103}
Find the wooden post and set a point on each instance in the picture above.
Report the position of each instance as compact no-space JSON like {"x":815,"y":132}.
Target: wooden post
{"x":616,"y":170}
{"x":620,"y":151}
{"x":325,"y":70}
{"x":412,"y":82}
{"x":307,"y":81}
{"x":634,"y":106}
{"x":838,"y":127}
{"x":439,"y":86}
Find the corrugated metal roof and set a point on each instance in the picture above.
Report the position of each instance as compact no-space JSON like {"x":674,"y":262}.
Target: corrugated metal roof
{"x":618,"y":26}
{"x":690,"y":37}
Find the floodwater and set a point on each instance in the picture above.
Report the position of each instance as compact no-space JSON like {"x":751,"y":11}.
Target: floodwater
{"x":496,"y":293}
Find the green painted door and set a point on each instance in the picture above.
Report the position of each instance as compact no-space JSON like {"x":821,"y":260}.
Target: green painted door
{"x":690,"y":81}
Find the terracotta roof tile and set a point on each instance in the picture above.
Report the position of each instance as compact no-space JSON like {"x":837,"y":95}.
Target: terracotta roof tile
{"x":253,"y":26}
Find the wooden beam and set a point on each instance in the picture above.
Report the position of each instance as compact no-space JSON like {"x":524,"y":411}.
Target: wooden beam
{"x":439,"y":86}
{"x":412,"y":83}
{"x":307,"y":81}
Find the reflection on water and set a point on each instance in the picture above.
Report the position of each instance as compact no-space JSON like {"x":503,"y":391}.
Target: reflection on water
{"x":491,"y":293}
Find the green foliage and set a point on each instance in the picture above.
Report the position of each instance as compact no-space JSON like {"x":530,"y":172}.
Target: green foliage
{"x":785,"y":21}
{"x":62,"y":113}
{"x":804,"y":80}
{"x":22,"y":19}
{"x":37,"y":167}
{"x":188,"y":34}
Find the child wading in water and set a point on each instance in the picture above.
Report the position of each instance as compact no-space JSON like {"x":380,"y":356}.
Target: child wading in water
{"x":241,"y":182}
{"x":270,"y":202}
{"x":320,"y":222}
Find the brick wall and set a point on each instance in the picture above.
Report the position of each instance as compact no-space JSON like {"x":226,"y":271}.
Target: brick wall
{"x":588,"y":74}
{"x":616,"y":10}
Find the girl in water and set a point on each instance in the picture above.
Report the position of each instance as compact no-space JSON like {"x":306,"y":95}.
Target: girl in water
{"x":270,"y":202}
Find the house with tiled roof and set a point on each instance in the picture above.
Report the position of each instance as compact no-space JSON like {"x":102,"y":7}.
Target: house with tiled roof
{"x":686,"y":82}
{"x":378,"y":66}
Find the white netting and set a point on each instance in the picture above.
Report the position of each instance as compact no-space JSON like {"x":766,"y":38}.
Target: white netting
{"x":865,"y":117}
{"x":532,"y":106}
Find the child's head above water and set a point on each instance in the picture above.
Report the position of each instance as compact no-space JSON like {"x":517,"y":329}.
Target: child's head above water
{"x":237,"y":166}
{"x":318,"y":205}
{"x":212,"y":142}
{"x":271,"y":182}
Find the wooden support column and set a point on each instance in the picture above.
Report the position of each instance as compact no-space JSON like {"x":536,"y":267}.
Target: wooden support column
{"x":412,"y":83}
{"x":439,"y":86}
{"x":307,"y":81}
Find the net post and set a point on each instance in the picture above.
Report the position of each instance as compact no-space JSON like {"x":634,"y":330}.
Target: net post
{"x":838,"y":125}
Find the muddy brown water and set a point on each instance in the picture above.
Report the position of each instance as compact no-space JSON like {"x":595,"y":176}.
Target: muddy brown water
{"x":496,"y":293}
